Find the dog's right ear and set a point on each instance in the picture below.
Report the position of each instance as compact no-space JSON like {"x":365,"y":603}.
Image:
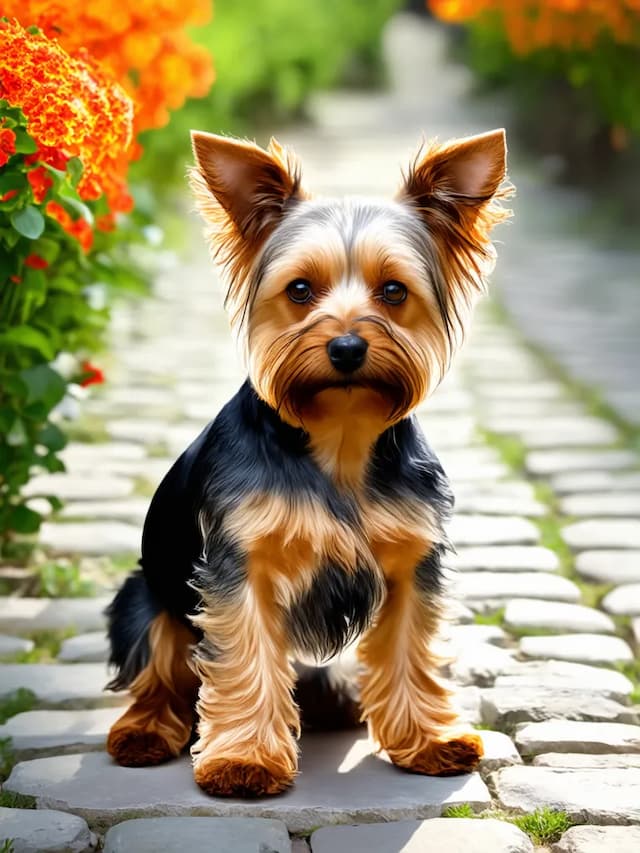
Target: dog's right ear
{"x":239,"y":182}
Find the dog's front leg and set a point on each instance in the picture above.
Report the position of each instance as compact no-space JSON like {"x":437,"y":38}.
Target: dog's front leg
{"x":409,"y":710}
{"x":247,"y":717}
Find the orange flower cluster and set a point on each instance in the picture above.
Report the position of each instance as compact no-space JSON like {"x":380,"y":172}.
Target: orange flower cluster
{"x":71,"y":104}
{"x":534,"y":24}
{"x":7,"y":144}
{"x":143,"y":44}
{"x":78,"y":228}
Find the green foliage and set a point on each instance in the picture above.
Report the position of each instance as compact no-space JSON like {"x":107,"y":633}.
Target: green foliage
{"x":54,"y":294}
{"x":7,"y":758}
{"x":10,"y":800}
{"x":46,"y":645}
{"x":461,"y":810}
{"x":494,"y":617}
{"x":62,"y":580}
{"x":544,"y":826}
{"x":16,"y":703}
{"x":7,"y":846}
{"x":269,"y":55}
{"x":605,"y":79}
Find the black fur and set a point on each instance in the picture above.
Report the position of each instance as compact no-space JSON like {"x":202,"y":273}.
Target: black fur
{"x":247,"y":449}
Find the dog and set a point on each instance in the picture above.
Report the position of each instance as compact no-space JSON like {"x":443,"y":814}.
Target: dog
{"x":310,"y":513}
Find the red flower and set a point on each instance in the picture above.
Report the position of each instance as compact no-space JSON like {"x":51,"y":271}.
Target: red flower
{"x":93,"y":374}
{"x":7,"y":144}
{"x":8,"y":195}
{"x":40,"y":182}
{"x":35,"y":262}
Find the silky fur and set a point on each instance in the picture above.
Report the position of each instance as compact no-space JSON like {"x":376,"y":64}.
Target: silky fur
{"x":311,"y":511}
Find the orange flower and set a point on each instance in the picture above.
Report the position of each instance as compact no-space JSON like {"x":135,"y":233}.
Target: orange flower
{"x":40,"y":182}
{"x":7,"y":144}
{"x":77,"y":228}
{"x":93,"y":374}
{"x":71,"y":104}
{"x":35,"y":262}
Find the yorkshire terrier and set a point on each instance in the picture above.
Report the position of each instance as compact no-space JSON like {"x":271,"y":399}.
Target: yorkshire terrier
{"x":310,"y":512}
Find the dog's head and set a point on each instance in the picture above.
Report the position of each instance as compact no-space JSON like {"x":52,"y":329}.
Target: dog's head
{"x":350,"y":297}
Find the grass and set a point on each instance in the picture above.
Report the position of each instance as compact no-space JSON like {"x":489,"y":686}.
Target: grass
{"x":495,"y":617}
{"x":544,"y":826}
{"x":17,"y":702}
{"x":46,"y":646}
{"x":10,"y":800}
{"x":631,"y":669}
{"x":61,"y":579}
{"x":7,"y":758}
{"x":7,"y":846}
{"x":511,"y":450}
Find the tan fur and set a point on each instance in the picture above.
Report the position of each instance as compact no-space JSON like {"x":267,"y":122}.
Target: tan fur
{"x":158,"y":724}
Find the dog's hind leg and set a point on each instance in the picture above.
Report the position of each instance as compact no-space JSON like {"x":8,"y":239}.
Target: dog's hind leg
{"x":158,"y":724}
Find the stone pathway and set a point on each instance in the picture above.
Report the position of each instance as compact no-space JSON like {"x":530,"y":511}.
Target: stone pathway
{"x":547,"y":573}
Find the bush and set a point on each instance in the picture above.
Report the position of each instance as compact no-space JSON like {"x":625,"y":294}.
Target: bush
{"x":269,"y":55}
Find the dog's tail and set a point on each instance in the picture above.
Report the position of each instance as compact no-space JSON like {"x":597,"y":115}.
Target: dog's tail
{"x":129,"y":617}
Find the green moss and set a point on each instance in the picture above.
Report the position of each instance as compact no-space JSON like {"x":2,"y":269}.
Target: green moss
{"x":461,"y":810}
{"x":544,"y":826}
{"x":10,"y":800}
{"x":46,"y":645}
{"x":550,"y":527}
{"x":511,"y":450}
{"x":7,"y":758}
{"x":61,"y":579}
{"x":495,"y":617}
{"x":15,"y":703}
{"x":7,"y":846}
{"x":89,"y":429}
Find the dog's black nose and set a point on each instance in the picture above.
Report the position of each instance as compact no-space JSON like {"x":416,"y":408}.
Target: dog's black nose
{"x":347,"y":352}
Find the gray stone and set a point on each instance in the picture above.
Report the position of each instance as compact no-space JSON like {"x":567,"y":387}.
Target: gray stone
{"x":481,"y":502}
{"x":578,"y":431}
{"x":463,"y":636}
{"x":505,"y":707}
{"x":596,"y":481}
{"x":38,"y":733}
{"x":340,"y":781}
{"x":582,"y":648}
{"x":499,"y":751}
{"x":24,"y":615}
{"x":547,"y":390}
{"x":12,"y":646}
{"x":503,"y":558}
{"x":573,"y":736}
{"x":599,"y":839}
{"x":624,"y":600}
{"x":614,"y":504}
{"x":491,"y":530}
{"x":480,"y":664}
{"x":468,"y":702}
{"x":142,"y":431}
{"x":609,"y":566}
{"x":588,"y":796}
{"x":529,"y":613}
{"x":198,"y":835}
{"x":602,"y":533}
{"x":77,"y":685}
{"x":45,"y":831}
{"x":80,"y":488}
{"x":132,"y":510}
{"x":76,"y":454}
{"x":90,"y":537}
{"x":85,"y":648}
{"x":505,"y":585}
{"x":580,"y":761}
{"x":455,"y":835}
{"x":563,"y":675}
{"x":547,"y":462}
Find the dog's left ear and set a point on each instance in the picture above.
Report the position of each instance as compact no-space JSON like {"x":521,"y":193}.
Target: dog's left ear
{"x":463,"y":174}
{"x":238,"y":181}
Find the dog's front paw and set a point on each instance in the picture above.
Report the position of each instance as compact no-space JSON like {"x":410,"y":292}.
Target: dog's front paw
{"x":138,"y":748}
{"x":460,"y":754}
{"x":233,"y":777}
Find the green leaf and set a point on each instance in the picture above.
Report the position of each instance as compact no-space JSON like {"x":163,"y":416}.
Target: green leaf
{"x":24,"y":520}
{"x":74,"y":205}
{"x":29,"y":222}
{"x":13,"y":181}
{"x":26,"y":336}
{"x":75,"y":169}
{"x":47,"y":249}
{"x":44,"y":385}
{"x":52,"y":437}
{"x":17,"y":434}
{"x":24,"y":143}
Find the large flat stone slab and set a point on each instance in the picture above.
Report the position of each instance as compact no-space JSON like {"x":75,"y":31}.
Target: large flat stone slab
{"x":26,"y":615}
{"x":77,"y":487}
{"x":624,"y":600}
{"x":614,"y":504}
{"x":39,"y":733}
{"x":530,"y":614}
{"x":198,"y":835}
{"x":572,"y":736}
{"x":565,"y":431}
{"x":505,"y":585}
{"x":12,"y":646}
{"x":341,"y":781}
{"x":602,"y":533}
{"x":505,"y":707}
{"x":85,"y":648}
{"x":480,"y":664}
{"x":492,"y":530}
{"x":563,"y":675}
{"x":580,"y":482}
{"x":582,"y":648}
{"x":455,"y":835}
{"x":78,"y":685}
{"x":90,"y":537}
{"x":599,"y":839}
{"x":609,"y":566}
{"x":548,"y":462}
{"x":582,"y":761}
{"x":131,"y":510}
{"x":588,"y":796}
{"x":45,"y":831}
{"x":503,"y":558}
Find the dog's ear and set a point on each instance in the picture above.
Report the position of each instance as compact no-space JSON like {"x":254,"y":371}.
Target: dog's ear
{"x":238,"y":181}
{"x":463,"y":174}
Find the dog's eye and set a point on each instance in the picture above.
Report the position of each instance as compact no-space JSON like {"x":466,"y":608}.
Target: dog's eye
{"x":393,"y":292}
{"x":299,"y":291}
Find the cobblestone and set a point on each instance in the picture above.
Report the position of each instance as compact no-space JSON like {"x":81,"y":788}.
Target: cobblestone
{"x":45,"y":831}
{"x":582,"y":648}
{"x":609,"y":566}
{"x":526,"y":614}
{"x":603,"y":533}
{"x":599,"y":839}
{"x":571,"y":736}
